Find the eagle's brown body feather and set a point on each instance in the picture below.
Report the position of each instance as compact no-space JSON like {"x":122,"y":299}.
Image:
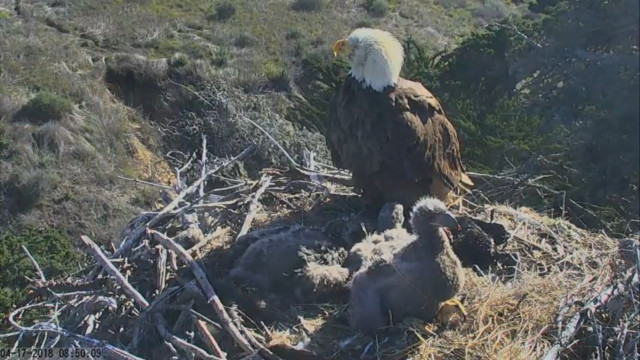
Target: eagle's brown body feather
{"x":398,"y":143}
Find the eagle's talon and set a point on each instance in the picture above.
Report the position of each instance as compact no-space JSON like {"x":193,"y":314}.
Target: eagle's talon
{"x":448,"y":308}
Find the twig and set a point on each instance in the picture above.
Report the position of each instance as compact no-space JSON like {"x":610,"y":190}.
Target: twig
{"x":206,"y":336}
{"x":212,"y":297}
{"x":145,"y":182}
{"x":35,"y":263}
{"x":203,"y":165}
{"x":265,"y":180}
{"x":108,"y":266}
{"x":86,"y":342}
{"x":161,"y":268}
{"x":514,"y":28}
{"x":217,"y":233}
{"x":576,"y":321}
{"x":129,"y":242}
{"x":161,"y":325}
{"x":183,"y":168}
{"x":274,"y":141}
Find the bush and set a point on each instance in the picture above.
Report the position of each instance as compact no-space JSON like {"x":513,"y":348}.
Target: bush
{"x":51,"y":248}
{"x":307,"y":5}
{"x":43,"y":107}
{"x":245,"y":41}
{"x":221,"y":57}
{"x":224,"y":11}
{"x":377,"y":8}
{"x":21,"y":192}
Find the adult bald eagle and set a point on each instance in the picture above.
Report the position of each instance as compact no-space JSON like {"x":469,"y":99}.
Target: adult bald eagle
{"x":391,"y":133}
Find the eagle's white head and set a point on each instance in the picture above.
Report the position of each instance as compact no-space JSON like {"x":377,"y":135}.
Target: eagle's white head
{"x":376,"y":57}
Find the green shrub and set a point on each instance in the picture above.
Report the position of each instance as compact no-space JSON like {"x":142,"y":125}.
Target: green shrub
{"x":20,"y":192}
{"x":45,"y":106}
{"x":377,"y":8}
{"x":245,"y":41}
{"x":51,"y":248}
{"x":224,"y":11}
{"x":221,"y":56}
{"x":365,"y":23}
{"x":294,"y":34}
{"x":307,"y":5}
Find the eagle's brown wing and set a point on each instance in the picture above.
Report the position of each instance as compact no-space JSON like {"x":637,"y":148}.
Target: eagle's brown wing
{"x":398,"y":144}
{"x":436,"y":149}
{"x":333,"y":137}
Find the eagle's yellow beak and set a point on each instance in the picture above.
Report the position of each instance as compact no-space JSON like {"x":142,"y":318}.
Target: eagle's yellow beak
{"x":339,"y":47}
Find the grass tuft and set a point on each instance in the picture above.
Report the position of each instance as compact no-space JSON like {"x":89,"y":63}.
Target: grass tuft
{"x":43,"y":107}
{"x":307,"y":5}
{"x":377,"y":8}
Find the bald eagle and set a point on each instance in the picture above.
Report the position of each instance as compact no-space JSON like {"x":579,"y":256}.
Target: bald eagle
{"x":390,"y":132}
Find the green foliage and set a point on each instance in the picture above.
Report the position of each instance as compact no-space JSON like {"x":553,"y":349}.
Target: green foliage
{"x":294,"y":34}
{"x":4,"y":15}
{"x":23,"y":191}
{"x":45,"y":106}
{"x":221,"y":57}
{"x":224,"y":11}
{"x":365,"y":23}
{"x":515,"y":102}
{"x":311,"y":111}
{"x":245,"y":40}
{"x":51,"y":248}
{"x":377,"y":8}
{"x":307,"y":5}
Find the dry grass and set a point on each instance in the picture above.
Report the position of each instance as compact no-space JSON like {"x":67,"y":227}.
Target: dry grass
{"x":510,"y":315}
{"x":508,"y":319}
{"x":514,"y":320}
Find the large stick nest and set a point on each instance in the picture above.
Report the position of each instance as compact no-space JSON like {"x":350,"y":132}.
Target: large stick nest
{"x":162,"y":290}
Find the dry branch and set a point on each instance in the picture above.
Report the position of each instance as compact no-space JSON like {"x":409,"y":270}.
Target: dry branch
{"x":212,"y":297}
{"x":567,"y":336}
{"x":265,"y":181}
{"x":208,"y":338}
{"x":137,"y":181}
{"x":35,"y":264}
{"x":203,"y":166}
{"x":161,"y":325}
{"x":52,"y":328}
{"x":108,"y":266}
{"x":128,"y":243}
{"x":161,"y":268}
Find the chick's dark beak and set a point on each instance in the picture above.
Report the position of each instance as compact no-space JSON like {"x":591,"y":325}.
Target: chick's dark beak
{"x":448,"y":220}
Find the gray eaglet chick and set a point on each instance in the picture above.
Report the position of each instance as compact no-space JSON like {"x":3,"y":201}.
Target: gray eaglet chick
{"x":422,"y":274}
{"x":272,"y":260}
{"x":391,"y":216}
{"x":376,"y":248}
{"x":389,"y":237}
{"x":322,"y":279}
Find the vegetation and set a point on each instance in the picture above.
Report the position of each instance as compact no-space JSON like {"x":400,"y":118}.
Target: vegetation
{"x":307,"y":5}
{"x":491,"y":87}
{"x":92,"y":93}
{"x":51,"y":248}
{"x":45,"y":106}
{"x":377,"y":8}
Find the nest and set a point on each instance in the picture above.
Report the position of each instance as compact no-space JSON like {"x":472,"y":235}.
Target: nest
{"x":161,"y":291}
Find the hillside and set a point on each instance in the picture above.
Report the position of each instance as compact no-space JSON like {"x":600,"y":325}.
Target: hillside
{"x":102,"y":102}
{"x":74,"y":119}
